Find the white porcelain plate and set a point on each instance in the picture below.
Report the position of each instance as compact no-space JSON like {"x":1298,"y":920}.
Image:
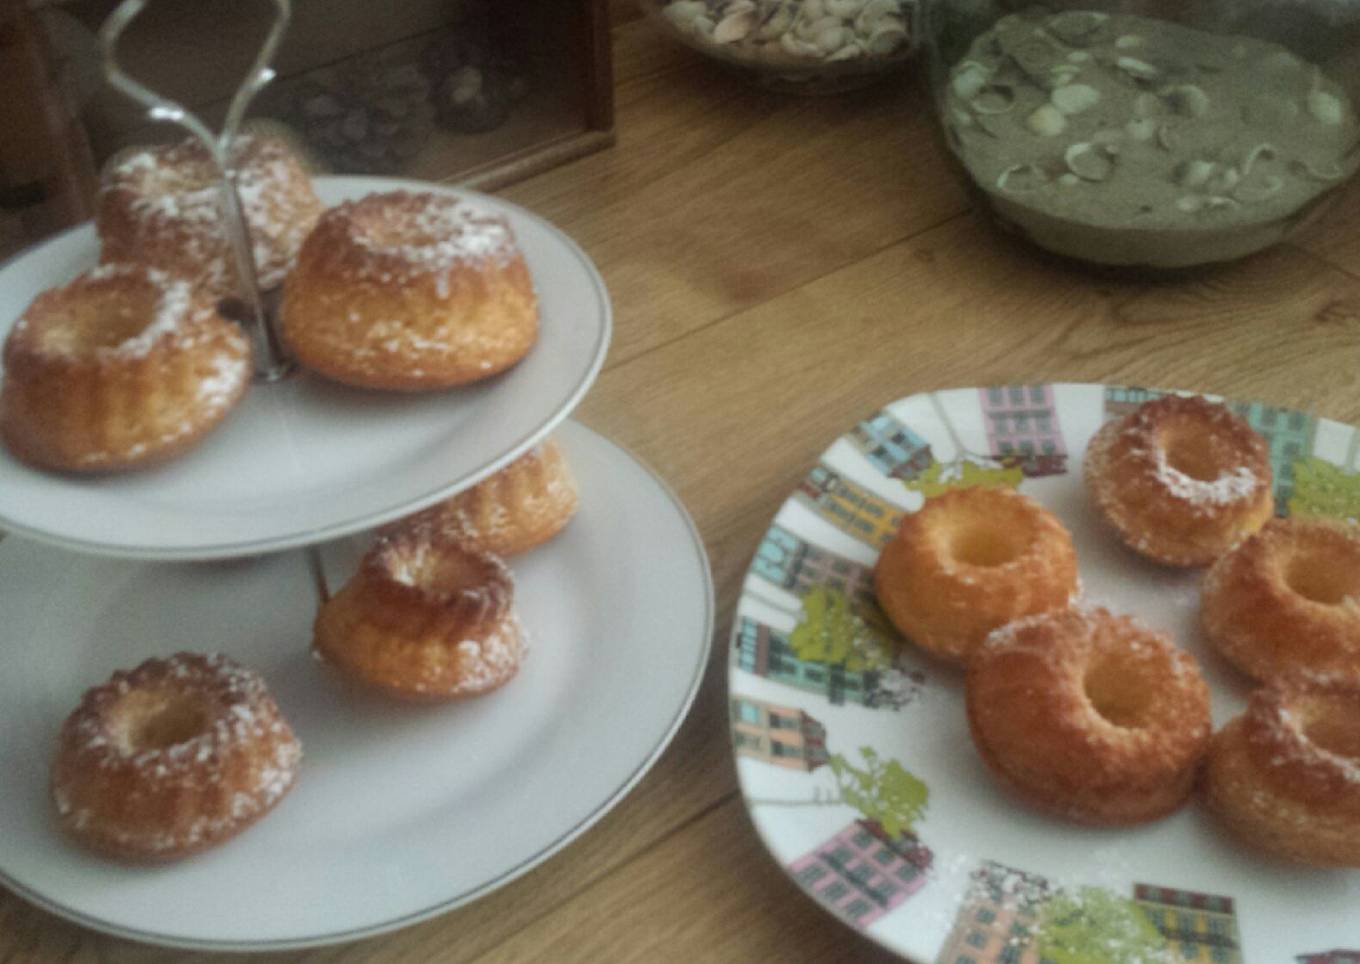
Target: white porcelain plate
{"x":307,"y":460}
{"x":401,"y":811}
{"x":853,"y":751}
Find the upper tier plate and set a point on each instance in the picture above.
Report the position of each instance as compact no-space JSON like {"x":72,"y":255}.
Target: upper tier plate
{"x":306,"y":460}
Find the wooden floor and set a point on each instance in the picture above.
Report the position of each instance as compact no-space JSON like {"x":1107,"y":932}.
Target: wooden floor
{"x":781,"y":268}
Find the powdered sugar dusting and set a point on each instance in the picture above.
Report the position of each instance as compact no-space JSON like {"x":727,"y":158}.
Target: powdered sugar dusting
{"x":174,"y":190}
{"x":1231,"y":486}
{"x":239,"y":761}
{"x":436,"y":233}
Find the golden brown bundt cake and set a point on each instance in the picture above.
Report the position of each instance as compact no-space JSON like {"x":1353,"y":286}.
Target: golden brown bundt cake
{"x":971,"y":560}
{"x":523,"y":505}
{"x":410,"y":291}
{"x":424,"y":618}
{"x":172,"y":757}
{"x":1284,"y":776}
{"x":1287,"y":601}
{"x":124,"y":366}
{"x":161,"y":206}
{"x":1181,"y":480}
{"x":1089,"y":715}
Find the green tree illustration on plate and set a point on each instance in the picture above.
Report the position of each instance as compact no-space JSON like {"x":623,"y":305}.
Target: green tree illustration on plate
{"x":965,"y":470}
{"x":884,"y":791}
{"x":939,"y":478}
{"x":1095,"y":926}
{"x":1321,"y":488}
{"x":881,"y":790}
{"x":832,"y":632}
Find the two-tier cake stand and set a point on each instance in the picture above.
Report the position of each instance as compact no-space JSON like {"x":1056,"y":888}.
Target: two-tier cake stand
{"x":400,"y":812}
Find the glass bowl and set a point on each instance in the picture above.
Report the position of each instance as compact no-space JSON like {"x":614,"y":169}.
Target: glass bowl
{"x":1149,"y":133}
{"x":805,"y":46}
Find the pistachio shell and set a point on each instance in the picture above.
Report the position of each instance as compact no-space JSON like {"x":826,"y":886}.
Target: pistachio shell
{"x":1143,"y":129}
{"x":1187,"y":99}
{"x":1060,"y":75}
{"x":1077,"y":26}
{"x":1079,"y":57}
{"x":853,"y":51}
{"x":797,"y":48}
{"x":1259,"y":189}
{"x":1139,"y":69}
{"x":845,"y":9}
{"x":683,"y":12}
{"x":832,"y":38}
{"x":1128,"y":41}
{"x":994,"y":99}
{"x":1194,"y":173}
{"x":777,"y":21}
{"x":1046,"y":121}
{"x":1069,"y":180}
{"x":1224,"y":181}
{"x":1326,"y":108}
{"x":734,"y":26}
{"x":1190,"y":203}
{"x":1264,"y":152}
{"x":809,"y":30}
{"x":1332,"y":173}
{"x":1074,"y":98}
{"x":1021,"y":178}
{"x":886,"y":39}
{"x":1088,"y":162}
{"x":969,"y":79}
{"x":873,"y":12}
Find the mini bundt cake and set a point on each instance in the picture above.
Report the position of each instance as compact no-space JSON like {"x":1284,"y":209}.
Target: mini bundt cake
{"x":1181,"y":480}
{"x":122,"y":367}
{"x":1287,"y":601}
{"x":162,"y":206}
{"x":172,"y":757}
{"x":971,"y":560}
{"x":523,"y":505}
{"x":1089,"y":715}
{"x":425,"y":618}
{"x":1284,"y":776}
{"x":410,"y":291}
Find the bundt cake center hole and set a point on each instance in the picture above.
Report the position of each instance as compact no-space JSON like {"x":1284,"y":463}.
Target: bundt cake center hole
{"x":440,"y":572}
{"x":1189,"y":455}
{"x":157,"y":720}
{"x":1334,"y":726}
{"x":1119,"y":691}
{"x":94,"y":323}
{"x":1322,"y":580}
{"x":988,"y":545}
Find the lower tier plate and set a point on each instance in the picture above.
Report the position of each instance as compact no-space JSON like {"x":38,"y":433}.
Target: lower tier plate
{"x":400,"y":812}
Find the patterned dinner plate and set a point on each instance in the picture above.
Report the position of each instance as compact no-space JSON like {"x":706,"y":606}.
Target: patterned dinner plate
{"x":853,"y":751}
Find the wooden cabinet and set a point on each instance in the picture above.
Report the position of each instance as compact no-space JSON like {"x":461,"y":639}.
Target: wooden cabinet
{"x":482,"y":92}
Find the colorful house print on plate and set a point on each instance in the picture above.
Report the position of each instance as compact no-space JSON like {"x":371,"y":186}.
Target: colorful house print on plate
{"x":853,"y":753}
